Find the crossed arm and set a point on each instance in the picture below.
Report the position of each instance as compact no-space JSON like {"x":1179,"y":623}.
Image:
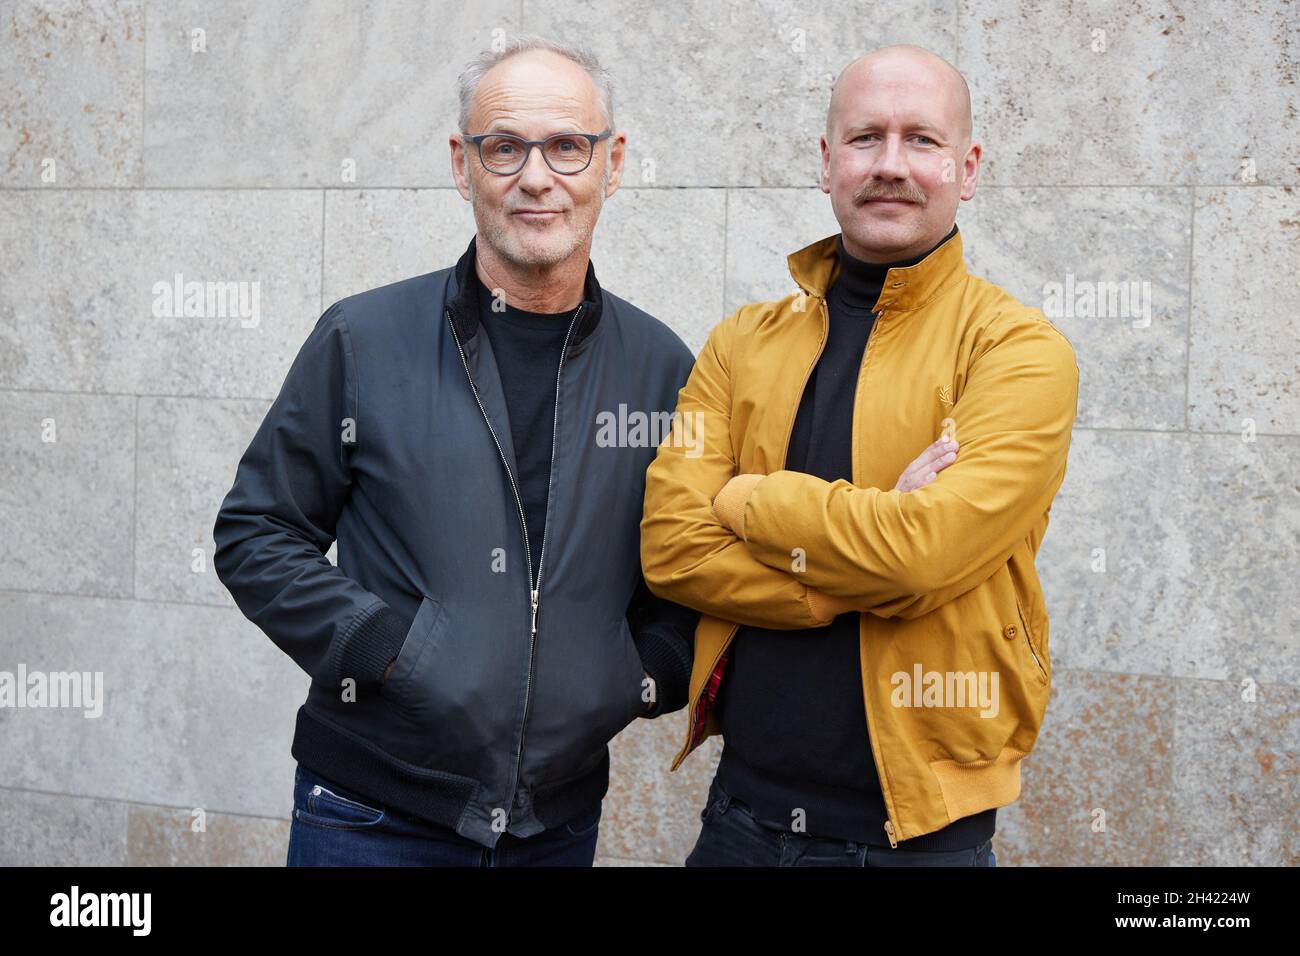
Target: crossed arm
{"x":900,"y":552}
{"x":687,"y":554}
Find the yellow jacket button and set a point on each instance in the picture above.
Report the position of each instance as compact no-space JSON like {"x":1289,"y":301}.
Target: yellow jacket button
{"x":1010,"y":632}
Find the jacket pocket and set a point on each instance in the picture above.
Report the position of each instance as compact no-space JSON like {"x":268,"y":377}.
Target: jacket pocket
{"x":323,"y":807}
{"x":397,"y":688}
{"x":1028,"y":637}
{"x":585,"y":692}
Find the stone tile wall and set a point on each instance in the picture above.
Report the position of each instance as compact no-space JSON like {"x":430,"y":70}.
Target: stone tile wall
{"x":303,"y":146}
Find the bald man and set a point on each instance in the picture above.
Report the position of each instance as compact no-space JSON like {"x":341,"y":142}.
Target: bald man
{"x":873,"y":639}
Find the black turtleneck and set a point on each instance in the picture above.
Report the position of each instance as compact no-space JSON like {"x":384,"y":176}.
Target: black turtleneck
{"x":790,"y":703}
{"x":858,"y":285}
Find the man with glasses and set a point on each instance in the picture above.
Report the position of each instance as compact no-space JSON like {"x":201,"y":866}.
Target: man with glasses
{"x":487,"y":630}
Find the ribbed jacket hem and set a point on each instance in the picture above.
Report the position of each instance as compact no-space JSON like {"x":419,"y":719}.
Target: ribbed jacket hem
{"x":433,"y":795}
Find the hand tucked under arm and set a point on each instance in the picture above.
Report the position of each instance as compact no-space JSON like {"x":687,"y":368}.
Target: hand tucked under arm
{"x":882,"y":547}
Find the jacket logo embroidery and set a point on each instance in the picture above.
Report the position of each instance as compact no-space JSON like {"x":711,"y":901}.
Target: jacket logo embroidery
{"x":945,"y":395}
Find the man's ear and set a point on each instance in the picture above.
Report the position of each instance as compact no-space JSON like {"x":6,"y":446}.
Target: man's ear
{"x":458,"y":153}
{"x":617,"y":156}
{"x":971,"y":171}
{"x":826,"y":165}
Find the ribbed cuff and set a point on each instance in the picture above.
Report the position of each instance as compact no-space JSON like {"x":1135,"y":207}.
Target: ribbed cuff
{"x":370,"y":645}
{"x":827,"y":607}
{"x":729,"y":503}
{"x":665,"y":660}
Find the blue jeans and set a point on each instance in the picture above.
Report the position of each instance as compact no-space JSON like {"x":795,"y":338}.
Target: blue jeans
{"x":732,"y":837}
{"x":334,"y":826}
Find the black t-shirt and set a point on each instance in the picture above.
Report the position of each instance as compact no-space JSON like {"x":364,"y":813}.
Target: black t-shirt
{"x":790,"y":703}
{"x":527,"y":348}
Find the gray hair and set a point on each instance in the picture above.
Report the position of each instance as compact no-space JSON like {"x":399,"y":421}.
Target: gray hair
{"x":468,"y":81}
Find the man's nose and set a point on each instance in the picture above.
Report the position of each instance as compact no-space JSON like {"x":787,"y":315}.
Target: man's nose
{"x":891,"y":161}
{"x":536,"y":176}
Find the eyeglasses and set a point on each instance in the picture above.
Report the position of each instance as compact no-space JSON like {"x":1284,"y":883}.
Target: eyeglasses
{"x":566,"y":153}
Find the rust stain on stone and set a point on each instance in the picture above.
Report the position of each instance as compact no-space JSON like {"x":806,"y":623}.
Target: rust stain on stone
{"x":1265,"y":760}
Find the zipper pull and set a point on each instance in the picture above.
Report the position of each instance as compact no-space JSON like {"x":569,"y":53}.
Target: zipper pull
{"x":534,"y":596}
{"x":889,"y":832}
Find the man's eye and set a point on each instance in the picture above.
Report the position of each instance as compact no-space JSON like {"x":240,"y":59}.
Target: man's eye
{"x":926,"y":138}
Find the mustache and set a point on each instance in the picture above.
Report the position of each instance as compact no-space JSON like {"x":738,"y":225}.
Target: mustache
{"x":870,"y":191}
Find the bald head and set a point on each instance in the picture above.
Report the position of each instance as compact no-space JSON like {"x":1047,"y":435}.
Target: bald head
{"x":897,"y":156}
{"x":911,"y":72}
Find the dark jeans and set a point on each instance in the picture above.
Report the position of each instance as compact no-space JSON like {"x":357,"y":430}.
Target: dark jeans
{"x":334,"y":826}
{"x":732,"y":837}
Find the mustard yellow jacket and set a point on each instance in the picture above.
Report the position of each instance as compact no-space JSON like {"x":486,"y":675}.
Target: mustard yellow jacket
{"x":943,"y":576}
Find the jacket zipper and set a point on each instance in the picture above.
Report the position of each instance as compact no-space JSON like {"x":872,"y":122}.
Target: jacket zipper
{"x":534,"y":584}
{"x":891,"y":829}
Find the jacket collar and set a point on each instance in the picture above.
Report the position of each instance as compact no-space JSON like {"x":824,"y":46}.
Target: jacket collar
{"x":816,"y":266}
{"x":462,"y":301}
